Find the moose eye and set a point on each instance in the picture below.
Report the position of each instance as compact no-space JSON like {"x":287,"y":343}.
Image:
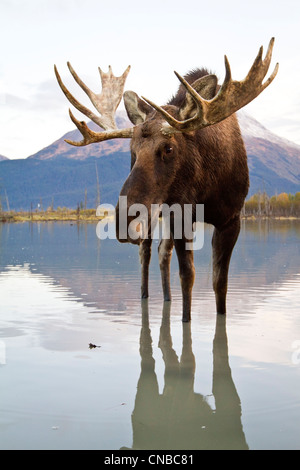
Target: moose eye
{"x":164,"y":151}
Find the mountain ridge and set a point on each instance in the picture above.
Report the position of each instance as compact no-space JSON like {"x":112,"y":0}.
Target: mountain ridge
{"x":274,"y":162}
{"x":64,"y":175}
{"x":60,"y":148}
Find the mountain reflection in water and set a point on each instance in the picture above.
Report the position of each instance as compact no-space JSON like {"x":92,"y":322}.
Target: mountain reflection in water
{"x":62,"y":289}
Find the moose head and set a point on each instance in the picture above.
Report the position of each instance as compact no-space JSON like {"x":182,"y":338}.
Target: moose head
{"x":187,"y":152}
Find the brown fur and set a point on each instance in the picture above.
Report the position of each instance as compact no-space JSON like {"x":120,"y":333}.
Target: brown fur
{"x":207,"y":166}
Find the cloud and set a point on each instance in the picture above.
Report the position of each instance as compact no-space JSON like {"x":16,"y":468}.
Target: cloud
{"x":13,"y":101}
{"x":44,"y":96}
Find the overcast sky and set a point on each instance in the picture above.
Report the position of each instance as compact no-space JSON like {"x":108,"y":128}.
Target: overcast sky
{"x":155,"y":38}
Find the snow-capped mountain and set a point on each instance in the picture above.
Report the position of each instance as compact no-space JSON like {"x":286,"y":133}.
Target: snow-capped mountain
{"x":62,"y":174}
{"x":274,"y":162}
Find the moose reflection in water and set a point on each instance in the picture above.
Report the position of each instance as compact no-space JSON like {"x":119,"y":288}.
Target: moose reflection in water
{"x":179,"y":418}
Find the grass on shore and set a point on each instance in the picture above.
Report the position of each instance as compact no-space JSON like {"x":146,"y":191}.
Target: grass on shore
{"x":89,"y":215}
{"x":82,"y":215}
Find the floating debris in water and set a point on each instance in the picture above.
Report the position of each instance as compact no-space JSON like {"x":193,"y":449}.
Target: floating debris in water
{"x":92,"y":346}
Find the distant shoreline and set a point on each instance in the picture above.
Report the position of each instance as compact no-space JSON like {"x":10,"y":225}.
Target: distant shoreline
{"x":89,"y":215}
{"x":63,"y":215}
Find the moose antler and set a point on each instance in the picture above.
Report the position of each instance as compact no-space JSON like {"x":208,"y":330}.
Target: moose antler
{"x":232,"y":96}
{"x":105,"y":102}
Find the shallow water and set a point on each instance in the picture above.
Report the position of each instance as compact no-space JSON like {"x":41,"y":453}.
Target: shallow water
{"x":154,"y":383}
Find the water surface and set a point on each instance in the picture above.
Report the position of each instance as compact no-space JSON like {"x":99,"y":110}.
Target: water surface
{"x":154,"y":383}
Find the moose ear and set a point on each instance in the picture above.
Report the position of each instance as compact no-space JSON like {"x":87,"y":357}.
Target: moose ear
{"x":137,"y":109}
{"x":206,"y":87}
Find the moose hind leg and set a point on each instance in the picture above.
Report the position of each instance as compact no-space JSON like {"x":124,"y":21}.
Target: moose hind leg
{"x":164,"y":255}
{"x":145,"y":255}
{"x":223,"y":242}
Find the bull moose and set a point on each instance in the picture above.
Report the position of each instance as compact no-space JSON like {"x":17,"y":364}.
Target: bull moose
{"x":189,"y":151}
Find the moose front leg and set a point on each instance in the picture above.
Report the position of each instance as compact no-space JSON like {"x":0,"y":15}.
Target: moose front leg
{"x":223,"y":242}
{"x":187,"y":276}
{"x":145,"y":255}
{"x":164,"y":255}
